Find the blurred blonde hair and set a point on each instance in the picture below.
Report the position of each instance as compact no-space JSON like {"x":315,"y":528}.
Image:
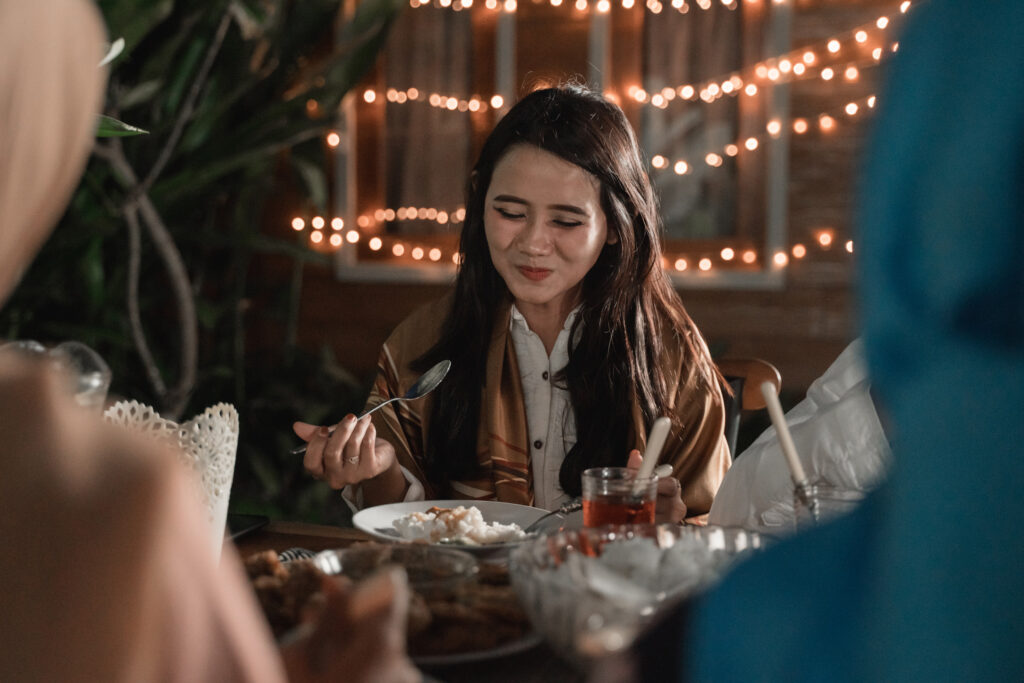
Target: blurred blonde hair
{"x":51,"y":89}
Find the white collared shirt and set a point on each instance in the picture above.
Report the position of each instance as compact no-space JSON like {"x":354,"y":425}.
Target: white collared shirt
{"x":550,"y":420}
{"x":549,"y":416}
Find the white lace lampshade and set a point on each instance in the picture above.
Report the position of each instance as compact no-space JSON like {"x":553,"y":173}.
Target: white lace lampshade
{"x":208,"y":444}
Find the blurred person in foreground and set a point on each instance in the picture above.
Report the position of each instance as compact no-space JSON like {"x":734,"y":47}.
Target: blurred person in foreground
{"x":566,"y":338}
{"x":923,"y":581}
{"x":106,"y":571}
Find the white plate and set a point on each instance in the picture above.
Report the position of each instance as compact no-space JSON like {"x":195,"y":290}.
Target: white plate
{"x":378,"y":521}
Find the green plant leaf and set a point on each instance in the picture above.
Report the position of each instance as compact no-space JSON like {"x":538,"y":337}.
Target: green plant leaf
{"x":315,"y":180}
{"x":113,"y":50}
{"x":140,"y":94}
{"x":110,"y":127}
{"x":133,"y":19}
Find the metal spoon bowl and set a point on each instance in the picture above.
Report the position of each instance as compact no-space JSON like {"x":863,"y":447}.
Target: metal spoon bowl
{"x":427,"y":382}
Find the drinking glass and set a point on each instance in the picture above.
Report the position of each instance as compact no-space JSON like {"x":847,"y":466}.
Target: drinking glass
{"x":819,"y":501}
{"x":88,"y":373}
{"x":614,"y":495}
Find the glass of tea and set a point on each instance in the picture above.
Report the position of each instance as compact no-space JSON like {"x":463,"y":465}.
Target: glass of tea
{"x":614,"y":495}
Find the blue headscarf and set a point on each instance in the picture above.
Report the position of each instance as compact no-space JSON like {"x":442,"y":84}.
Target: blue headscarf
{"x":924,"y":581}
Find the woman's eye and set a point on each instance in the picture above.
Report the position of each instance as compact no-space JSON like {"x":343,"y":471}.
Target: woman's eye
{"x":567,"y":223}
{"x":504,"y":213}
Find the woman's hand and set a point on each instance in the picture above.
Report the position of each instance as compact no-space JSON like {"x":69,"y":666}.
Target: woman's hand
{"x":359,"y":636}
{"x":349,"y":455}
{"x":669,"y":506}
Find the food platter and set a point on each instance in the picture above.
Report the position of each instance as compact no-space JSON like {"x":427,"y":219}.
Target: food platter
{"x":379,"y":521}
{"x":529,"y":640}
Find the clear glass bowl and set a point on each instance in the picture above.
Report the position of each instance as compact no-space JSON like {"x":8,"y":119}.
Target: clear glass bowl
{"x":589,"y":592}
{"x":434,"y":573}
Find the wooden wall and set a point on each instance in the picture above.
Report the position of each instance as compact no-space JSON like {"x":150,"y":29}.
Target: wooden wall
{"x":801,"y":328}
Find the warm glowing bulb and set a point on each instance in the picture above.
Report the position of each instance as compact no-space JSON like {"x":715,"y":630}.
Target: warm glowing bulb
{"x":749,"y":256}
{"x":799,"y":251}
{"x":871,"y":102}
{"x":389,"y":214}
{"x":668,"y":93}
{"x":376,"y":243}
{"x":402,"y":213}
{"x":686,"y":92}
{"x":474,"y":104}
{"x":849,"y":246}
{"x":773,"y":74}
{"x":750,"y":144}
{"x":713,"y":159}
{"x":459,"y":215}
{"x":728,"y":87}
{"x":882,"y":22}
{"x":335,"y":240}
{"x":681,"y":168}
{"x":398,"y":249}
{"x":378,"y":215}
{"x":363,"y":221}
{"x":369,"y":95}
{"x":761,"y":71}
{"x":825,"y":238}
{"x":780,"y":259}
{"x":497,"y":101}
{"x":833,"y":46}
{"x":826,"y":122}
{"x":774,"y":127}
{"x":417,"y":253}
{"x":851,"y":73}
{"x":750,"y":90}
{"x":800,"y":126}
{"x":785,"y":66}
{"x":316,"y":237}
{"x":510,"y":6}
{"x":861,"y":36}
{"x":298,"y":224}
{"x":681,"y":264}
{"x":442,"y":217}
{"x":731,"y":150}
{"x":713,"y":89}
{"x":728,"y":254}
{"x":337,"y":223}
{"x":876,"y":54}
{"x":904,"y":6}
{"x":851,"y":109}
{"x":704,"y":264}
{"x":333,"y":139}
{"x":827,"y":73}
{"x":809,"y":58}
{"x":659,"y":161}
{"x":627,"y":4}
{"x":603,"y":6}
{"x":658,"y":100}
{"x":799,"y":68}
{"x":435,"y":254}
{"x":351,"y":236}
{"x":581,"y":5}
{"x":317,"y":222}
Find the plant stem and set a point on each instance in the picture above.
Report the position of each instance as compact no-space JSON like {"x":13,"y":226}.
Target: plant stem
{"x":131,"y":217}
{"x":190,"y":103}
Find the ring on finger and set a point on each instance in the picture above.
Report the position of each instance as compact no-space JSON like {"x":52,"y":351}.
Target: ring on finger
{"x":353,"y":460}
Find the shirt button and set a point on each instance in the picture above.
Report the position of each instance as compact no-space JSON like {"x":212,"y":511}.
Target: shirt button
{"x":537,"y":444}
{"x":544,"y":375}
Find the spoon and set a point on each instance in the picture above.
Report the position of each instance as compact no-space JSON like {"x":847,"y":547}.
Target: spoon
{"x":427,"y":382}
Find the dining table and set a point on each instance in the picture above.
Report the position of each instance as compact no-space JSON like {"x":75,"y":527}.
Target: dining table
{"x":537,"y":664}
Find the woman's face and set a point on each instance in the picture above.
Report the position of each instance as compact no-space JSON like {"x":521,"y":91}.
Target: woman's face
{"x":545,"y":227}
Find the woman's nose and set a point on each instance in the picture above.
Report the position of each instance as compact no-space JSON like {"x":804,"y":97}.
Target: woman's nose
{"x":534,"y":238}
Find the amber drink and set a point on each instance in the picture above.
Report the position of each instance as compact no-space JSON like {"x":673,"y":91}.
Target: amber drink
{"x":613,"y":495}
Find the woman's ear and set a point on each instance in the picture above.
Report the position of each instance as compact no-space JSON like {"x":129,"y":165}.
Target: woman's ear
{"x":613,"y":237}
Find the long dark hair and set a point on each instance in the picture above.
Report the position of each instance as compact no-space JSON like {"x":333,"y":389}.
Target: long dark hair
{"x":627,"y":309}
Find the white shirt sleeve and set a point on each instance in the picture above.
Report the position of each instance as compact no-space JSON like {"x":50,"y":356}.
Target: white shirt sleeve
{"x":353,"y":494}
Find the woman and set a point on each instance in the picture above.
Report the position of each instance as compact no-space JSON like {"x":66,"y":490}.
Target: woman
{"x":566,"y":338}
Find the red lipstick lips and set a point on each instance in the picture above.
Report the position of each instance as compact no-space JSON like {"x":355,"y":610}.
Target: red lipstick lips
{"x":535,"y":274}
